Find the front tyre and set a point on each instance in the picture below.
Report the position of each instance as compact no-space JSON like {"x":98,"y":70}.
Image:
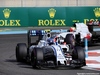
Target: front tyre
{"x":21,"y":52}
{"x":36,"y":57}
{"x":79,"y":54}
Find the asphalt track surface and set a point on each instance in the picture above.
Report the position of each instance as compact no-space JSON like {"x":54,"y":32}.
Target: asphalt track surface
{"x":9,"y":65}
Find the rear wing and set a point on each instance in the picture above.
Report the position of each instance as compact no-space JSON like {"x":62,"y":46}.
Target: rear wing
{"x":36,"y":32}
{"x":43,"y":32}
{"x":93,"y":25}
{"x":31,"y":33}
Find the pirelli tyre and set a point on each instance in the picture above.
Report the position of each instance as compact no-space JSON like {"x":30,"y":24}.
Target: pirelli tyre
{"x":36,"y":57}
{"x":79,"y":54}
{"x":21,"y":52}
{"x":69,"y":39}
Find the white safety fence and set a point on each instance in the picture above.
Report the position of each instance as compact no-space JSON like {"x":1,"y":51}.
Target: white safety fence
{"x":48,"y":3}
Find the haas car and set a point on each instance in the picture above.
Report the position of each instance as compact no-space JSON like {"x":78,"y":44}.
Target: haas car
{"x":50,"y":50}
{"x":91,"y":31}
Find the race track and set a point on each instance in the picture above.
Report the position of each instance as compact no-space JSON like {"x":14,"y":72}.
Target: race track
{"x":9,"y":65}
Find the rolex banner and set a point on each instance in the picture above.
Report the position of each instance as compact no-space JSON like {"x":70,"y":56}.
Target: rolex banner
{"x":46,"y":16}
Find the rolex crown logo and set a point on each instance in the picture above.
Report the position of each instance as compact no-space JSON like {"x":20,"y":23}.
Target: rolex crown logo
{"x":6,"y":13}
{"x":52,"y":12}
{"x":97,"y":12}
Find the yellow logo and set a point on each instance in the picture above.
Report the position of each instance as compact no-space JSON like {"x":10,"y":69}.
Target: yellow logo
{"x":97,"y":12}
{"x":6,"y":13}
{"x":52,"y":12}
{"x":51,"y":22}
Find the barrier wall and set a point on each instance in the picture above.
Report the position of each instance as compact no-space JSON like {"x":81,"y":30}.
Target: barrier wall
{"x":46,"y":16}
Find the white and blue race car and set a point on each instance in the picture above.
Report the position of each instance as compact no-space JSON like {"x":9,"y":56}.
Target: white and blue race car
{"x":50,"y":50}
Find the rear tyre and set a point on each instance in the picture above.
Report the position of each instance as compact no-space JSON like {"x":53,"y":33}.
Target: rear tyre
{"x":78,"y":39}
{"x":69,"y":39}
{"x":21,"y":52}
{"x":36,"y":57}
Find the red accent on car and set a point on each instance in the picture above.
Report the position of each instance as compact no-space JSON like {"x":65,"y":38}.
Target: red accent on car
{"x":88,"y":36}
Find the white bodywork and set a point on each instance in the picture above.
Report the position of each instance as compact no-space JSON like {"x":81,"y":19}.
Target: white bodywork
{"x":58,"y":50}
{"x":80,"y":28}
{"x":41,"y":43}
{"x":60,"y":56}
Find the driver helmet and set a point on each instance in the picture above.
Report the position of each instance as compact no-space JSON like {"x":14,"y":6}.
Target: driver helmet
{"x":72,"y":29}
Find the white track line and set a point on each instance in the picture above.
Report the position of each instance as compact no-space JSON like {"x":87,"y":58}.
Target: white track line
{"x":93,"y":62}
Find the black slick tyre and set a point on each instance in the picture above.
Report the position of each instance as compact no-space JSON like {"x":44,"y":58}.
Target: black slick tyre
{"x":79,"y":54}
{"x":36,"y":57}
{"x":69,"y":39}
{"x":21,"y":52}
